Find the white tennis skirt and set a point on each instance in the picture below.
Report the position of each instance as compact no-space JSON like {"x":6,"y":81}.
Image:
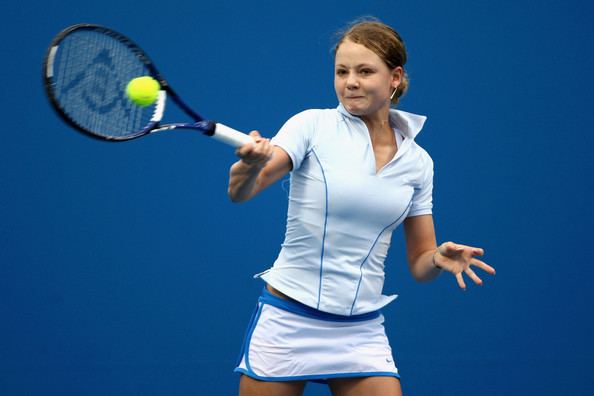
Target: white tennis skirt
{"x":288,"y":341}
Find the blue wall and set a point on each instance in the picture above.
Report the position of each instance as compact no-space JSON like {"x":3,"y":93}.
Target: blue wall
{"x":124,"y":269}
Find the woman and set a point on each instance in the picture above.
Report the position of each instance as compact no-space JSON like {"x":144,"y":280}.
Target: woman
{"x":356,"y":174}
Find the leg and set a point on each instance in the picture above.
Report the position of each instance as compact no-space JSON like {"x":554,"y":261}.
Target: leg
{"x":251,"y":387}
{"x":365,"y":386}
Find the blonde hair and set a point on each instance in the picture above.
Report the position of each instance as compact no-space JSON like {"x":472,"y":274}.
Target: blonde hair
{"x":384,"y":41}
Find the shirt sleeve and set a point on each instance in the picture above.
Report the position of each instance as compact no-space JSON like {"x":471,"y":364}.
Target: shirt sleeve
{"x":422,"y":201}
{"x":295,"y":137}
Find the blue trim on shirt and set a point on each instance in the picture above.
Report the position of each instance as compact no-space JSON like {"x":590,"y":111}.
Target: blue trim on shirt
{"x":324,"y":234}
{"x":370,"y":249}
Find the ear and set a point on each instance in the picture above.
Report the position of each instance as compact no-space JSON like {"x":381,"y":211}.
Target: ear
{"x":397,"y":74}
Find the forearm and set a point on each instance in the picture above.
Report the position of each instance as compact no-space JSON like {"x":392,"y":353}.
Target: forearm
{"x":424,"y":268}
{"x":243,"y":180}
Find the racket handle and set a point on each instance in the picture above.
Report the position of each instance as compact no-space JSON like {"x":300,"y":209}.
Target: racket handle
{"x":230,"y":136}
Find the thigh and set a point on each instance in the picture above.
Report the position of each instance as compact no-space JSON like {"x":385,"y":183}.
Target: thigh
{"x":252,"y":387}
{"x":365,"y":386}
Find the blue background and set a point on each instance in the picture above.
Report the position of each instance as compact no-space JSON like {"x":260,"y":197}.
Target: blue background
{"x":125,"y":270}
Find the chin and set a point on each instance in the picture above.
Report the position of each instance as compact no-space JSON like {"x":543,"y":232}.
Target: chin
{"x":354,"y":110}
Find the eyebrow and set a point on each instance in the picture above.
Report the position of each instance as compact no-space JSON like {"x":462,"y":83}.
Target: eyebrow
{"x":357,"y":66}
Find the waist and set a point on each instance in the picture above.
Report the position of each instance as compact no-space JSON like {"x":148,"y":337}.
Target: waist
{"x":278,"y":294}
{"x":275,"y":298}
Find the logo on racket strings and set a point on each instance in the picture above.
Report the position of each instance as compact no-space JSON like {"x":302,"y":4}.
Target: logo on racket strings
{"x":99,"y":86}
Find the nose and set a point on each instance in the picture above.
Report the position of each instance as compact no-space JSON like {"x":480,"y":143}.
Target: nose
{"x":352,"y":82}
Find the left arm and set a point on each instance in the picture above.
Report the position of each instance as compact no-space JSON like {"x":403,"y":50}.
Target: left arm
{"x":426,"y":259}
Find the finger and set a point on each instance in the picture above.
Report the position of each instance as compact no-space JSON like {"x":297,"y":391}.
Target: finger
{"x":263,"y":149}
{"x":460,"y":280}
{"x":456,"y":248}
{"x":482,"y":265}
{"x":264,"y":144}
{"x":255,"y":134}
{"x":262,"y":153}
{"x":258,"y":144}
{"x":473,"y":276}
{"x":269,"y":150}
{"x":446,"y":247}
{"x":475,"y":251}
{"x":244,"y":150}
{"x":452,"y":248}
{"x":247,"y":152}
{"x":251,"y":154}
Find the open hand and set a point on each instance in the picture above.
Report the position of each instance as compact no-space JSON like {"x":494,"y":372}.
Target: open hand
{"x":458,"y":259}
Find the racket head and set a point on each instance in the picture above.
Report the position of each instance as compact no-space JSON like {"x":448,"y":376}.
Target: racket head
{"x":86,"y":70}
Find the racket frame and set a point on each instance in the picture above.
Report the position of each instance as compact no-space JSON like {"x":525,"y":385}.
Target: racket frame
{"x":207,"y":127}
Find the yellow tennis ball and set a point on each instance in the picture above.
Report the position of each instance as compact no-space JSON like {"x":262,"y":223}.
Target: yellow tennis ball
{"x":143,"y":91}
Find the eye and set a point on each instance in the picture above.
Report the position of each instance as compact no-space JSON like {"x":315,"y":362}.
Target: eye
{"x":366,"y":72}
{"x":341,"y":72}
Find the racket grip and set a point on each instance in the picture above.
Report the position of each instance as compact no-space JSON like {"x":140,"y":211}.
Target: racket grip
{"x":230,"y":136}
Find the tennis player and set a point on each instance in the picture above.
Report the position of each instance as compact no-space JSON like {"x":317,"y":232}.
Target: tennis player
{"x":356,"y":174}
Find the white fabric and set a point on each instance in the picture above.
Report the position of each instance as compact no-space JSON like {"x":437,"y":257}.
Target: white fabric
{"x":342,"y":212}
{"x":286,"y":346}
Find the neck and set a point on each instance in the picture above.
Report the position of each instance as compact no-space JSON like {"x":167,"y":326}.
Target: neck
{"x":378,"y":123}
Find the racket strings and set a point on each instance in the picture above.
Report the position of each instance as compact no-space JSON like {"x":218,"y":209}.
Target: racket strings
{"x":91,"y":71}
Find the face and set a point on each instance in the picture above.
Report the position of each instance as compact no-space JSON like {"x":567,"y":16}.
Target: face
{"x":362,"y":80}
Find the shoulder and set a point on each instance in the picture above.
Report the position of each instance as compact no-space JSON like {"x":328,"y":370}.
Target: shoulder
{"x":421,"y":155}
{"x":308,"y":122}
{"x":421,"y":152}
{"x":313,"y":115}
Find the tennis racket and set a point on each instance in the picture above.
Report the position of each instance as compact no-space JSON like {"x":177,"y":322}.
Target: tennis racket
{"x":86,"y":70}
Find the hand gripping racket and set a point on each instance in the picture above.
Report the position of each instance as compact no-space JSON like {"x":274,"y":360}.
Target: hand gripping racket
{"x":86,"y":70}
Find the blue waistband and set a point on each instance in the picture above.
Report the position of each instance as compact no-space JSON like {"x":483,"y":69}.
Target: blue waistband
{"x":307,"y":311}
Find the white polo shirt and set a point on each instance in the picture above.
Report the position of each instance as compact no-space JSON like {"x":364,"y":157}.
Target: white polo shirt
{"x":342,"y":212}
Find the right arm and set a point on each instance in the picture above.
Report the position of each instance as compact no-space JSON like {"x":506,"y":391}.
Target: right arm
{"x":260,"y":165}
